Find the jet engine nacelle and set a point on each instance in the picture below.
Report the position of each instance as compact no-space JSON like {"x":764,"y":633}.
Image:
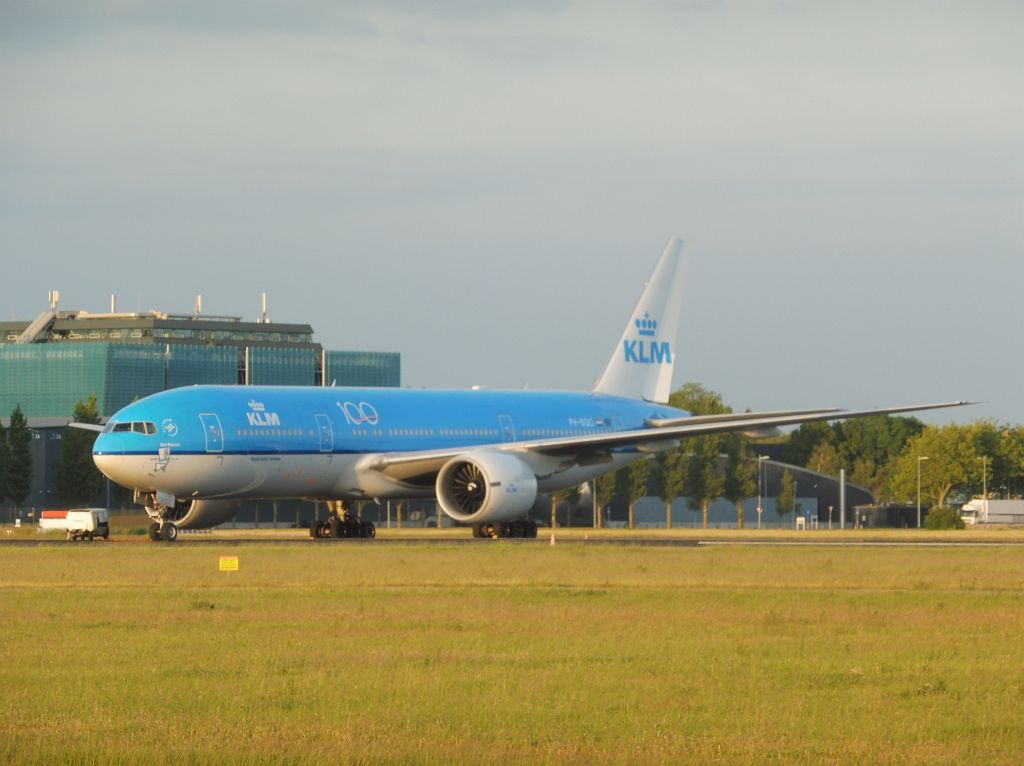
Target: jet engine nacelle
{"x":486,"y":487}
{"x":202,"y":514}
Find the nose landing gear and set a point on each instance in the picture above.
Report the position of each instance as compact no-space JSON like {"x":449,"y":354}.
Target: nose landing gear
{"x":161,"y":527}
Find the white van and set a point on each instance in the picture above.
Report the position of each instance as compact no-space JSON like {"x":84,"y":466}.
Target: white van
{"x":79,"y":523}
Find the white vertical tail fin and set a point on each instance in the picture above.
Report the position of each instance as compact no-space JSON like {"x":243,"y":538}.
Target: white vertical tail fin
{"x":642,"y":363}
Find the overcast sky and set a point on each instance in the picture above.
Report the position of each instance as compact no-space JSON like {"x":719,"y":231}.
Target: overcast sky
{"x":484,"y":187}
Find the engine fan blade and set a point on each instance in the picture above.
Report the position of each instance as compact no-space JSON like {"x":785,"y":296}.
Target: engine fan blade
{"x":469,"y":487}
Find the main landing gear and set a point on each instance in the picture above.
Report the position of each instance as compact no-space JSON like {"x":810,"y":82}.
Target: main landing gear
{"x":526,"y":528}
{"x":341,"y":523}
{"x":166,"y":531}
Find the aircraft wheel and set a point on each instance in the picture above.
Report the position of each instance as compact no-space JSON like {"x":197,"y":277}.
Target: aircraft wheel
{"x":336,"y":528}
{"x":170,"y":532}
{"x":368,"y":530}
{"x":154,"y":532}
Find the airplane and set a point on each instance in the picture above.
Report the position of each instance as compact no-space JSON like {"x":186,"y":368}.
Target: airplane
{"x":192,"y":454}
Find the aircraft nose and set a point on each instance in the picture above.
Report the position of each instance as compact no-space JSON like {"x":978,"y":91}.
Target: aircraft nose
{"x":114,"y":465}
{"x":106,"y":444}
{"x":108,"y":455}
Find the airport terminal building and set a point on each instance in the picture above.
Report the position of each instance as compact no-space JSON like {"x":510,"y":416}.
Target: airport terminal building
{"x":50,"y":363}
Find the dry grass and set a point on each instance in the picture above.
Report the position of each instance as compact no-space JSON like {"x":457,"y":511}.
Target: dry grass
{"x":511,"y":653}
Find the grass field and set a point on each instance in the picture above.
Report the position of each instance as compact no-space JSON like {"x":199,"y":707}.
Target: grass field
{"x":511,"y":653}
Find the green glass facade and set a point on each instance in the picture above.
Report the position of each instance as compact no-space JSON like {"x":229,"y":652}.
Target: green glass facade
{"x":131,"y":372}
{"x":202,"y":365}
{"x":362,"y":368}
{"x":282,"y":366}
{"x":47,"y":379}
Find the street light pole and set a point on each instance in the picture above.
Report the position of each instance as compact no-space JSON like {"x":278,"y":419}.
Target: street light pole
{"x":760,"y":472}
{"x":919,"y":459}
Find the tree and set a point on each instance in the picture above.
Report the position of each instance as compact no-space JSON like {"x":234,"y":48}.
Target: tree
{"x":704,"y":483}
{"x":867,"y":446}
{"x":568,"y":496}
{"x":805,"y":441}
{"x":825,"y":459}
{"x":607,"y":488}
{"x":19,"y":459}
{"x":943,"y":518}
{"x":1010,"y":459}
{"x":638,"y":475}
{"x":698,"y":400}
{"x":785,"y":500}
{"x":670,"y":478}
{"x":77,"y":480}
{"x":740,"y":473}
{"x":954,"y":455}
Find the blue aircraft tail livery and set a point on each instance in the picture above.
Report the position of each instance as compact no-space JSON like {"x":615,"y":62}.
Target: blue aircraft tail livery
{"x":192,"y":454}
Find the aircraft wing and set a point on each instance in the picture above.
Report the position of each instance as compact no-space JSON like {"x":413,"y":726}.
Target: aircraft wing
{"x":660,"y":434}
{"x":86,"y":426}
{"x":734,"y":417}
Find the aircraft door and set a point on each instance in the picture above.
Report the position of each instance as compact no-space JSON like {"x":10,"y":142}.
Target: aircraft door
{"x":323,"y":427}
{"x":508,"y":430}
{"x":213,"y":432}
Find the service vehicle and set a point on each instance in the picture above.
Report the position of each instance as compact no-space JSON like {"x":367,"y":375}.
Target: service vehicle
{"x":981,"y":511}
{"x":79,"y":523}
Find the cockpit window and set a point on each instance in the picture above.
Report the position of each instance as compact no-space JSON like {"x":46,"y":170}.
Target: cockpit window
{"x":137,"y":426}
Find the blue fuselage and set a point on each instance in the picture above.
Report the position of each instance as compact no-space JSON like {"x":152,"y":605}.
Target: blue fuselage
{"x":154,"y":444}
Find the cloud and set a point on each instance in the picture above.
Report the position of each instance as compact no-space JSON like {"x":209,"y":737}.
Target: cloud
{"x":527,"y":157}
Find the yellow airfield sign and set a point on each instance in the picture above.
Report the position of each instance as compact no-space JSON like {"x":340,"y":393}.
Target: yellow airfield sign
{"x":229,"y":563}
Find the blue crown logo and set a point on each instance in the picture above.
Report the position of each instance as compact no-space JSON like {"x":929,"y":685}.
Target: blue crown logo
{"x":256,"y":406}
{"x":647,"y":326}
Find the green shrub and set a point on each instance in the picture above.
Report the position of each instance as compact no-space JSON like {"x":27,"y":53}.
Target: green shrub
{"x":943,"y":518}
